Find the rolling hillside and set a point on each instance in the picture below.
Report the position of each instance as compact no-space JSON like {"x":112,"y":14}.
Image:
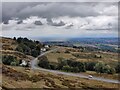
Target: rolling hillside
{"x":25,"y":77}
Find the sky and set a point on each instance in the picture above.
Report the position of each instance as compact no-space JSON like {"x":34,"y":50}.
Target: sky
{"x":59,"y":19}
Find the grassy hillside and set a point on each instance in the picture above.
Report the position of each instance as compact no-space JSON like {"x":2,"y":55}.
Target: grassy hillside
{"x":76,"y":54}
{"x":8,"y":43}
{"x":19,"y":77}
{"x":24,"y":77}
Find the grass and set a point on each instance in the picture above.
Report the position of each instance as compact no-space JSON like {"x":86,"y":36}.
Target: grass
{"x":18,"y":77}
{"x":52,"y":57}
{"x":103,"y":75}
{"x":107,"y":57}
{"x":50,"y":80}
{"x":8,"y":43}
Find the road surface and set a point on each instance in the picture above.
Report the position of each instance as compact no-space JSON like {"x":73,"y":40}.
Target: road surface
{"x":35,"y":67}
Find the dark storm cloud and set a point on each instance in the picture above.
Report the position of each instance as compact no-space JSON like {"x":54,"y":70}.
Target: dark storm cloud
{"x":50,"y":22}
{"x":61,"y":23}
{"x":48,"y":10}
{"x":6,"y":22}
{"x":38,"y":23}
{"x":19,"y":22}
{"x":11,"y":9}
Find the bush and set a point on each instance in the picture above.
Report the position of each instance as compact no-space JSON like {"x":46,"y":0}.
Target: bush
{"x":19,"y":48}
{"x":66,"y":68}
{"x":8,"y":60}
{"x":112,"y":71}
{"x":75,"y":69}
{"x":43,"y":62}
{"x":13,"y":64}
{"x":19,"y":40}
{"x":61,"y":62}
{"x":14,"y":38}
{"x":53,"y":67}
{"x":117,"y":68}
{"x":67,"y":51}
{"x":74,"y":66}
{"x":35,"y":53}
{"x":90,"y":66}
{"x":101,"y":67}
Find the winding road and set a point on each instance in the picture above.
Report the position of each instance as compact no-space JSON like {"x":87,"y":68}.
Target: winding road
{"x":34,"y":66}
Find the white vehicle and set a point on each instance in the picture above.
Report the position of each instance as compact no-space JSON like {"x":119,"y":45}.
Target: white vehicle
{"x":90,"y":76}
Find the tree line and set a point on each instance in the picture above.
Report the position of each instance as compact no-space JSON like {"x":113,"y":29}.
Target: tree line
{"x":70,"y":65}
{"x":66,"y":65}
{"x":28,"y":47}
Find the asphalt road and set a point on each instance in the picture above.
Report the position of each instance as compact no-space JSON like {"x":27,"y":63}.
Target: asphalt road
{"x":35,"y":67}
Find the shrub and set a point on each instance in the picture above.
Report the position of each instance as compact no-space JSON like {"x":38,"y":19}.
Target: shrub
{"x":14,"y":38}
{"x":101,"y":67}
{"x":112,"y":71}
{"x":66,"y":68}
{"x":7,"y":60}
{"x":43,"y":62}
{"x":19,"y":40}
{"x":117,"y":68}
{"x":53,"y":67}
{"x":75,"y":69}
{"x":61,"y":62}
{"x":20,"y":49}
{"x":90,"y":66}
{"x":74,"y":66}
{"x":35,"y":53}
{"x":13,"y":64}
{"x":67,"y":51}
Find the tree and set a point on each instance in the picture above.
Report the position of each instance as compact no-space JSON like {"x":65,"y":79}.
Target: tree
{"x":14,"y":38}
{"x":107,"y":69}
{"x":99,"y":67}
{"x":37,"y":42}
{"x":81,"y":67}
{"x":20,"y":49}
{"x":25,"y":40}
{"x":75,"y":69}
{"x":43,"y":62}
{"x":112,"y":71}
{"x":23,"y":48}
{"x":19,"y":40}
{"x":35,"y":53}
{"x":90,"y":66}
{"x":53,"y":67}
{"x":117,"y":68}
{"x":7,"y":60}
{"x":61,"y":62}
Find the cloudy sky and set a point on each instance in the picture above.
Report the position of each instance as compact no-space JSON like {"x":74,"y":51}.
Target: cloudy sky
{"x":62,"y":20}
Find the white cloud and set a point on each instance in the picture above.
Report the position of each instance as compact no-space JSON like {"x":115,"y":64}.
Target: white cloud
{"x":68,"y":20}
{"x":28,"y":28}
